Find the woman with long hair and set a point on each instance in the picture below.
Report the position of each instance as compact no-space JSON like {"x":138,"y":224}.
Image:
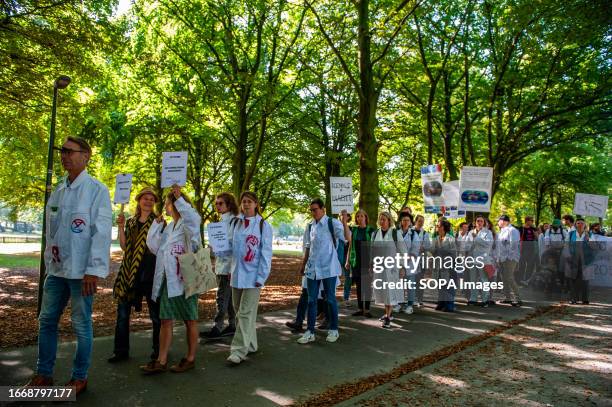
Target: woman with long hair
{"x":251,"y":241}
{"x":168,"y":243}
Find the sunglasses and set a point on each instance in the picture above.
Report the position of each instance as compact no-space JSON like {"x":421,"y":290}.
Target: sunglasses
{"x":67,"y":151}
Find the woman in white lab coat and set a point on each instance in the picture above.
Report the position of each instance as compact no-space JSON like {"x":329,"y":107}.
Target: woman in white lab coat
{"x":167,"y":242}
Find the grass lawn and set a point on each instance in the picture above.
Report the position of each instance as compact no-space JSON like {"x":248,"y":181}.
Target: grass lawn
{"x":19,"y":260}
{"x":296,"y":253}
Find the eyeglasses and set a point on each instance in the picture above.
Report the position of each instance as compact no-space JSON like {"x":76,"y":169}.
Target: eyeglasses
{"x":67,"y":151}
{"x":314,"y":209}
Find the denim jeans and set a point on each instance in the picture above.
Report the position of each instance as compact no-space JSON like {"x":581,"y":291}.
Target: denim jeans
{"x":302,"y":307}
{"x":122,"y":328}
{"x":57,"y":291}
{"x":329,"y":285}
{"x":348,"y":282}
{"x":410,"y":294}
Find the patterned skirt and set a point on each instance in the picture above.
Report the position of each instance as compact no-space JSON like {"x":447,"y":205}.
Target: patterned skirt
{"x":177,"y":308}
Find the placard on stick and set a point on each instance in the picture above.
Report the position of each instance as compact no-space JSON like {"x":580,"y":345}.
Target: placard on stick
{"x":123,"y":188}
{"x":174,"y":168}
{"x":341,"y":189}
{"x":591,"y":205}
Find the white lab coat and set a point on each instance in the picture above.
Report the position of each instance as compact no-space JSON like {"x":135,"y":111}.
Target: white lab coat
{"x":509,"y":244}
{"x":252,"y":253}
{"x":168,"y":243}
{"x":79,"y":219}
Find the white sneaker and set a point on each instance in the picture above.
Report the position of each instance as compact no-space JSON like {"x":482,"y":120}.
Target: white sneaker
{"x":307,"y":337}
{"x":235,"y":359}
{"x":332,"y":336}
{"x":408,"y":309}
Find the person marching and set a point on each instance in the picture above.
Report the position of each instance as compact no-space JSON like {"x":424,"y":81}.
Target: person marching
{"x":135,"y":277}
{"x":421,"y":245}
{"x":444,"y":246}
{"x":508,"y":256}
{"x":251,"y":241}
{"x":481,"y":240}
{"x":322,"y":266}
{"x":167,"y":243}
{"x":412,"y":247}
{"x":226,"y":206}
{"x":361,"y":233}
{"x":77,"y":254}
{"x":387,"y":243}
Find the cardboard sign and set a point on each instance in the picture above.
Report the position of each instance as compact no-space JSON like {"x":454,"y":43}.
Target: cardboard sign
{"x":432,"y":186}
{"x":217,"y":237}
{"x":591,"y":205}
{"x":341,"y":194}
{"x":475,"y":189}
{"x":123,"y":188}
{"x":174,"y":169}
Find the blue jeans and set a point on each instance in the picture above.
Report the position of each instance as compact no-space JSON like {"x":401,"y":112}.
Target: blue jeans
{"x":348,"y":282}
{"x":329,"y":286}
{"x":410,"y":294}
{"x":57,"y":291}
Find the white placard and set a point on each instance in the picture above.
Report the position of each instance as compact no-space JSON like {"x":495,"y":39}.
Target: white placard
{"x":217,"y":237}
{"x":591,"y":205}
{"x":341,"y":194}
{"x":475,"y":189}
{"x":174,"y":168}
{"x":123,"y":187}
{"x":432,"y":186}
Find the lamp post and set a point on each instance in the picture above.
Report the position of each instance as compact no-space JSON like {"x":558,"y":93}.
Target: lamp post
{"x":60,"y":83}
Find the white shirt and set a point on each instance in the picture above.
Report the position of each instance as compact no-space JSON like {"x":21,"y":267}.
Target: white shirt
{"x":252,"y":253}
{"x":168,"y":244}
{"x":79,"y":219}
{"x":482,"y":244}
{"x":323,"y":259}
{"x":508,"y":244}
{"x":463,"y":243}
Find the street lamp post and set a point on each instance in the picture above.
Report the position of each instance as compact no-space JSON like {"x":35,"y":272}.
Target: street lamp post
{"x":60,"y":83}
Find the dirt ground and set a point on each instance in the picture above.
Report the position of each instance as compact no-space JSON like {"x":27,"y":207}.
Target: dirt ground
{"x":19,"y":291}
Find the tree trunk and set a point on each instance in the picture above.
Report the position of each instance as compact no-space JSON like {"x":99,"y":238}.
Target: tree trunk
{"x":368,"y":100}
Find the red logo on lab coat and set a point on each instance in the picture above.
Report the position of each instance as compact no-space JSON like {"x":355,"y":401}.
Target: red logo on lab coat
{"x":252,"y":242}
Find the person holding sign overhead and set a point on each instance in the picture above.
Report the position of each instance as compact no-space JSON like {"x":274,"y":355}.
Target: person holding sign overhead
{"x":226,"y":205}
{"x":251,"y":241}
{"x":168,"y":242}
{"x":135,"y":277}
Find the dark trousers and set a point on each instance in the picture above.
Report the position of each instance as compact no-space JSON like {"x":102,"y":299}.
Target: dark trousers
{"x":224,"y":302}
{"x":361,"y":304}
{"x":528,"y":261}
{"x":122,"y":327}
{"x":579,"y":288}
{"x":302,"y":307}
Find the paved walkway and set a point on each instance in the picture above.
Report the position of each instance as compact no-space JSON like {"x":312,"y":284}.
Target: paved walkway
{"x":282,"y":372}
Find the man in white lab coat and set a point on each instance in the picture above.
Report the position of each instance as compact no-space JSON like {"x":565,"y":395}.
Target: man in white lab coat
{"x":77,"y":254}
{"x":508,"y":256}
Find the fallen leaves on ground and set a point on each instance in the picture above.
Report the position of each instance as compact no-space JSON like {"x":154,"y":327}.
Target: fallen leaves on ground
{"x":19,"y":295}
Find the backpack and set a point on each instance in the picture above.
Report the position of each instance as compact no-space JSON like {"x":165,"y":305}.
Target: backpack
{"x":393,"y":233}
{"x":412,"y":232}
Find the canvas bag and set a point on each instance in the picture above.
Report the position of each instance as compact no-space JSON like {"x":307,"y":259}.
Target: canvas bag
{"x":196,"y":268}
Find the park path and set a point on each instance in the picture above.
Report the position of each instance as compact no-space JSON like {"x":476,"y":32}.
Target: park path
{"x":283,"y":372}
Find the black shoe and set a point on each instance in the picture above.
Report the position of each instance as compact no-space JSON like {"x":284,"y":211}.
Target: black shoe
{"x":440,"y":307}
{"x":228,"y":331}
{"x":357,"y":313}
{"x":118,"y":358}
{"x":572,"y":302}
{"x":473,"y":303}
{"x":506,"y":302}
{"x":294,"y":326}
{"x":491,"y":302}
{"x":211,"y":335}
{"x":386,"y":323}
{"x":483,"y":304}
